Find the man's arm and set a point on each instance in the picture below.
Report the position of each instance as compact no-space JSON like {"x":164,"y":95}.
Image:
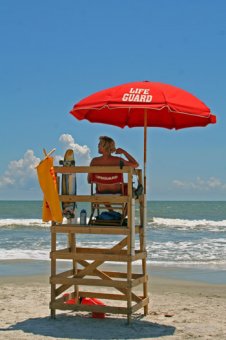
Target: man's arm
{"x":130,"y":160}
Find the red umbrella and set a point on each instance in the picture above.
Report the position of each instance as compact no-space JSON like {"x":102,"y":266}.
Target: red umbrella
{"x":144,"y":104}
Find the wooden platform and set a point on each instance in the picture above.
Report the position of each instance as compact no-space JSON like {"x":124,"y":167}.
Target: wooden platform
{"x":89,"y":275}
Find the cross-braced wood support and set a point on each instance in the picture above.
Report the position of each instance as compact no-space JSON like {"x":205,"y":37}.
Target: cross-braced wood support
{"x":89,"y":275}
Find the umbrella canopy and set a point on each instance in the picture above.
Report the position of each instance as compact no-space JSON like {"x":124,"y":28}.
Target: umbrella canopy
{"x":144,"y":104}
{"x":167,"y":106}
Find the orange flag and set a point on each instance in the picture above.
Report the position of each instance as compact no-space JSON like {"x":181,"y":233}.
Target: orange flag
{"x":51,"y":210}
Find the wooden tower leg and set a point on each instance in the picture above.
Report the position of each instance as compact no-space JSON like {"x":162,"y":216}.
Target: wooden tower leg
{"x":75,"y":266}
{"x":142,"y":235}
{"x":53,"y":273}
{"x":129,"y":291}
{"x":145,"y":285}
{"x":130,"y":252}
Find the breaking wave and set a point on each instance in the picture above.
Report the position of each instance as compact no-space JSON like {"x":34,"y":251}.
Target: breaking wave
{"x":182,"y":224}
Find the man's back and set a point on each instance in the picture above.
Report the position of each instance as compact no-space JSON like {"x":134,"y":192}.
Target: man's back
{"x":107,"y":161}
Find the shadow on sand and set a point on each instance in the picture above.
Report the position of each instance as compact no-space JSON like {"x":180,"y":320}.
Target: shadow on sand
{"x":80,"y":327}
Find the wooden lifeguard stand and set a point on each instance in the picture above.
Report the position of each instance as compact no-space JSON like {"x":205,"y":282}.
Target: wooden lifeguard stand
{"x":88,"y":277}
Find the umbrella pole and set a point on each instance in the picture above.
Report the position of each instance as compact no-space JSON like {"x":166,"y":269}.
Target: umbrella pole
{"x":144,"y":217}
{"x":145,"y":147}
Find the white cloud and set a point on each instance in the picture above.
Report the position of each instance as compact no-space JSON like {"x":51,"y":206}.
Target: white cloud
{"x":82,"y":152}
{"x":200,"y":184}
{"x":20,"y":172}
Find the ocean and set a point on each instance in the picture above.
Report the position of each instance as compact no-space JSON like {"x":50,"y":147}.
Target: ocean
{"x":183,"y":238}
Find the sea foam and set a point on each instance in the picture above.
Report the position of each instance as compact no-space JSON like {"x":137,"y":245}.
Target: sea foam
{"x":22,"y":222}
{"x":187,"y":224}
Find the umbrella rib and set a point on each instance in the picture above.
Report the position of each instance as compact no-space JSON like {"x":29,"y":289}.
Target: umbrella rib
{"x":142,"y":107}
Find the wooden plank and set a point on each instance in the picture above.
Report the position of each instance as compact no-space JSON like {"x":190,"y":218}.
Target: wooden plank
{"x":89,"y":282}
{"x":132,"y":228}
{"x":96,"y":257}
{"x":53,"y":239}
{"x":140,"y":305}
{"x":87,"y":256}
{"x":93,"y":169}
{"x":53,"y":272}
{"x":62,"y":288}
{"x":129,"y":291}
{"x":130,"y":249}
{"x":60,"y":251}
{"x":105,"y":296}
{"x":139,"y":255}
{"x":144,"y":270}
{"x":89,"y":308}
{"x":74,"y":263}
{"x":99,"y":295}
{"x":94,"y":199}
{"x":103,"y":251}
{"x":91,"y":270}
{"x":122,"y":275}
{"x":91,"y":229}
{"x":140,"y":280}
{"x":100,"y":251}
{"x":65,"y":274}
{"x":117,"y":249}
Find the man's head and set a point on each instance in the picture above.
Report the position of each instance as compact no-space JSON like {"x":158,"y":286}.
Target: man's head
{"x":107,"y":144}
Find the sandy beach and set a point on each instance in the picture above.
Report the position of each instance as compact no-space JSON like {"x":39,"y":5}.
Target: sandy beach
{"x":178,"y":310}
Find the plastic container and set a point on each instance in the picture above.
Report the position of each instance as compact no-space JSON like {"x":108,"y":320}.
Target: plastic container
{"x":83,"y":217}
{"x":93,"y":301}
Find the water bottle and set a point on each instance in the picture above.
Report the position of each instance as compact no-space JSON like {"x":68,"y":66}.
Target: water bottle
{"x":83,"y":217}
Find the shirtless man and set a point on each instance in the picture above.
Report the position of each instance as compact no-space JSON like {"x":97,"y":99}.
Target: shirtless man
{"x":106,"y":147}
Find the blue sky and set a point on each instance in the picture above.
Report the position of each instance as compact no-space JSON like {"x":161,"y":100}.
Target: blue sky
{"x":54,"y":53}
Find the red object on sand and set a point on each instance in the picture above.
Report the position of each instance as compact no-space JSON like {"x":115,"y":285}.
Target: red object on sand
{"x":72,"y":301}
{"x":93,"y":301}
{"x":87,"y":301}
